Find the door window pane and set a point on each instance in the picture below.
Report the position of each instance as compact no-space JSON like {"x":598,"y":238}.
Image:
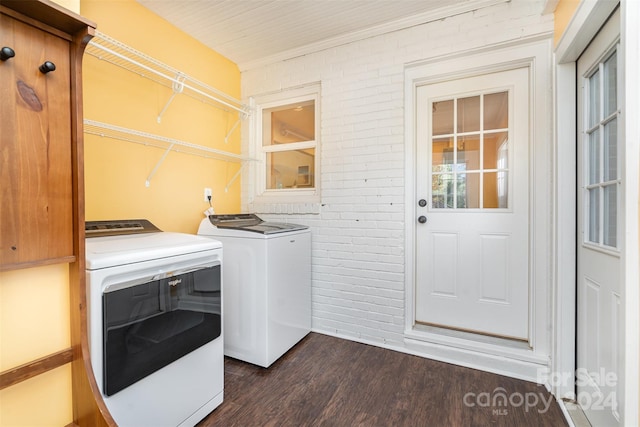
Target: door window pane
{"x":611,"y":84}
{"x":594,"y":99}
{"x":611,"y":150}
{"x":442,"y":191}
{"x":496,"y":111}
{"x":503,"y":186}
{"x":490,"y":190}
{"x":441,"y":151}
{"x":594,"y":158}
{"x":469,"y":151}
{"x":468,"y":191}
{"x":496,"y":150}
{"x":442,"y":117}
{"x":594,"y":215}
{"x":468,"y":114}
{"x":610,"y":229}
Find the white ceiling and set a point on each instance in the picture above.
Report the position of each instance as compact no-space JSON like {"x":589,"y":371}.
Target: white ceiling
{"x":253,"y":32}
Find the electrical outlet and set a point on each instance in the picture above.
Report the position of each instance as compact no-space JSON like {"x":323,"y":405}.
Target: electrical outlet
{"x":207,"y":195}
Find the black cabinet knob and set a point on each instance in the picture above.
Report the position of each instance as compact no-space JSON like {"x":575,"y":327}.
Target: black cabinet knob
{"x":6,"y":53}
{"x":48,"y":66}
{"x":422,"y":219}
{"x":422,"y":203}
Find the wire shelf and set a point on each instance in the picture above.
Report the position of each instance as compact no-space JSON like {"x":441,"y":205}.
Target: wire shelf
{"x":111,"y":50}
{"x":106,"y":130}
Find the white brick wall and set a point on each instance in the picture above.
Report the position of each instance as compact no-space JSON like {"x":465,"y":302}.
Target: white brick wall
{"x":358,"y":228}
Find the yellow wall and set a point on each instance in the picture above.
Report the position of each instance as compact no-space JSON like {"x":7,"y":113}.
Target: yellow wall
{"x":562,"y":16}
{"x":34,"y":322}
{"x":72,"y":5}
{"x":116,"y":171}
{"x":34,"y":303}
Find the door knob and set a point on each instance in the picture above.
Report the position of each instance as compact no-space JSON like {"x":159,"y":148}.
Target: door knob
{"x":422,"y":219}
{"x":422,"y":203}
{"x":46,"y":67}
{"x":6,"y":53}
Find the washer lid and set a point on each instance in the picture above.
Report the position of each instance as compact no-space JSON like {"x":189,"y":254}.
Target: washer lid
{"x":119,"y":227}
{"x":252,"y":223}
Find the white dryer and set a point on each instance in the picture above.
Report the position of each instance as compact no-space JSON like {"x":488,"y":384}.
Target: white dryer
{"x":155,"y":322}
{"x":266,"y":285}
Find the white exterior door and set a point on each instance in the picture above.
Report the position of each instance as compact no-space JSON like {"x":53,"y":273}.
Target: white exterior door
{"x":472,"y":204}
{"x":599,"y":328}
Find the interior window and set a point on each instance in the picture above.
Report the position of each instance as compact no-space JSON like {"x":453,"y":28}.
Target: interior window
{"x":289,"y":145}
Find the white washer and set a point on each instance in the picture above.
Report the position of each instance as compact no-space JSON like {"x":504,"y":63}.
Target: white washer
{"x":155,"y":332}
{"x":266,"y":285}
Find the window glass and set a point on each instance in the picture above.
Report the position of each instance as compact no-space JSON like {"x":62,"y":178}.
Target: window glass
{"x":442,"y":117}
{"x":496,"y":111}
{"x":469,"y":151}
{"x":491,"y":190}
{"x":290,"y":169}
{"x":594,"y":157}
{"x":611,"y":84}
{"x":611,"y":150}
{"x":594,"y":99}
{"x":442,"y":151}
{"x":610,"y":228}
{"x":495,"y":153}
{"x":468,"y":191}
{"x":468,"y":114}
{"x":594,"y":215}
{"x":289,"y":123}
{"x":442,"y":191}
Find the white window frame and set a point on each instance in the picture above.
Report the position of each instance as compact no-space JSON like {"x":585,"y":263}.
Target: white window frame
{"x":268,"y":197}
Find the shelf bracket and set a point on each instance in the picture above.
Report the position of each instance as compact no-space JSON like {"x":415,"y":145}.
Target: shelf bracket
{"x":233,"y":128}
{"x":155,"y":169}
{"x":243,"y":115}
{"x":234,"y":177}
{"x":177,"y":87}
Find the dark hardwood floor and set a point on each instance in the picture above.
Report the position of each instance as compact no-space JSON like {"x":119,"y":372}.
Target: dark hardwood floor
{"x":327,"y":381}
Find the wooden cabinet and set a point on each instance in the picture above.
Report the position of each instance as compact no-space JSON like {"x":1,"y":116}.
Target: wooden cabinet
{"x":38,"y":130}
{"x":41,"y":171}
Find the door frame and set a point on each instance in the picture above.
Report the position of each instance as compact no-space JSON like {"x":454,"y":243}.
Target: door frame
{"x":471,"y":350}
{"x":586,"y":22}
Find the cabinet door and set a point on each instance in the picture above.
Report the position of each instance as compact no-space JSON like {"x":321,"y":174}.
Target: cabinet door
{"x":36,"y":199}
